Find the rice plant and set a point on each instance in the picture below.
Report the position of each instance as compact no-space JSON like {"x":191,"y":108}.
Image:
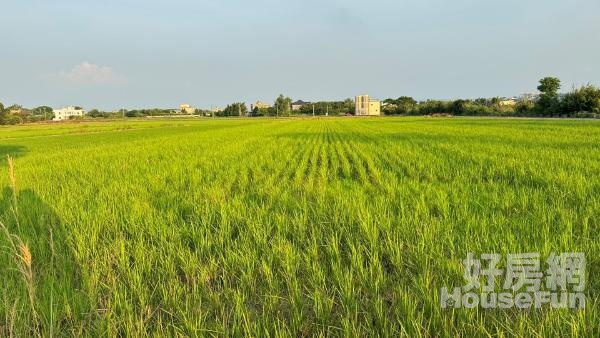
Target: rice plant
{"x":287,"y":227}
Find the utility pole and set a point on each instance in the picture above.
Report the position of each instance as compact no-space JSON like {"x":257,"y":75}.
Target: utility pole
{"x":313,"y":109}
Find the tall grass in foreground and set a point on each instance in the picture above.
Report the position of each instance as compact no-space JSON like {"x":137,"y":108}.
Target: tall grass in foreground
{"x":331,"y":227}
{"x":22,"y":258}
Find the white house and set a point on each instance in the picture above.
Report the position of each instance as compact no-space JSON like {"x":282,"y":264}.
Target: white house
{"x":67,"y":112}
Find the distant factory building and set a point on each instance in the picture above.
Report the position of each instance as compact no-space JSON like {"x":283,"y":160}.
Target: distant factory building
{"x":67,"y":113}
{"x":367,"y":107}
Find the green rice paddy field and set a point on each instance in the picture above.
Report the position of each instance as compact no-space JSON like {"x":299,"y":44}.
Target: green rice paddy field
{"x":288,"y":227}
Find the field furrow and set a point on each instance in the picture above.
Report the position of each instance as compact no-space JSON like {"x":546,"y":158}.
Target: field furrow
{"x":287,"y":226}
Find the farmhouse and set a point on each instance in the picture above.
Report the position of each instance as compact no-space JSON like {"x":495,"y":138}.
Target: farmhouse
{"x":367,"y":107}
{"x":67,"y":113}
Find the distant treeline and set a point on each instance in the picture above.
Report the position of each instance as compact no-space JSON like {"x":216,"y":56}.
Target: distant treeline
{"x":583,"y":102}
{"x":131,"y":113}
{"x":16,"y":114}
{"x":283,"y":107}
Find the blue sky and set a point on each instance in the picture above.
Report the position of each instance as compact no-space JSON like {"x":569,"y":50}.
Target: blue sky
{"x":110,"y":54}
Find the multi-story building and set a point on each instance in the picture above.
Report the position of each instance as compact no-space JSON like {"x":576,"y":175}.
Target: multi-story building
{"x":187,"y":109}
{"x":367,"y":107}
{"x":67,"y":113}
{"x":507,"y":102}
{"x":260,"y":105}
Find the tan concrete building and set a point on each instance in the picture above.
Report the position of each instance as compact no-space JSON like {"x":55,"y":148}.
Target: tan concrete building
{"x":260,"y":105}
{"x":187,"y":109}
{"x":508,"y":102}
{"x":367,"y":107}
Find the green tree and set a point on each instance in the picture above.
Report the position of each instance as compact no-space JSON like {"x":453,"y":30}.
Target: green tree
{"x":435,"y":107}
{"x":525,"y":108}
{"x":459,"y":107}
{"x":349,"y":106}
{"x":406,"y":104}
{"x":94,"y":113}
{"x":7,"y":118}
{"x":283,"y":105}
{"x":548,"y":102}
{"x":549,"y":86}
{"x":482,"y":101}
{"x":333,"y":108}
{"x":403,"y":105}
{"x":44,"y":111}
{"x":582,"y":100}
{"x":263,"y":111}
{"x":3,"y":114}
{"x":234,"y":109}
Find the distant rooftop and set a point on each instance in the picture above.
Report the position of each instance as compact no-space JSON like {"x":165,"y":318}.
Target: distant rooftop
{"x":300,"y":102}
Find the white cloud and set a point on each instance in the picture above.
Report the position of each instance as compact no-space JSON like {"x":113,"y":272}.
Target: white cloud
{"x":88,"y":73}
